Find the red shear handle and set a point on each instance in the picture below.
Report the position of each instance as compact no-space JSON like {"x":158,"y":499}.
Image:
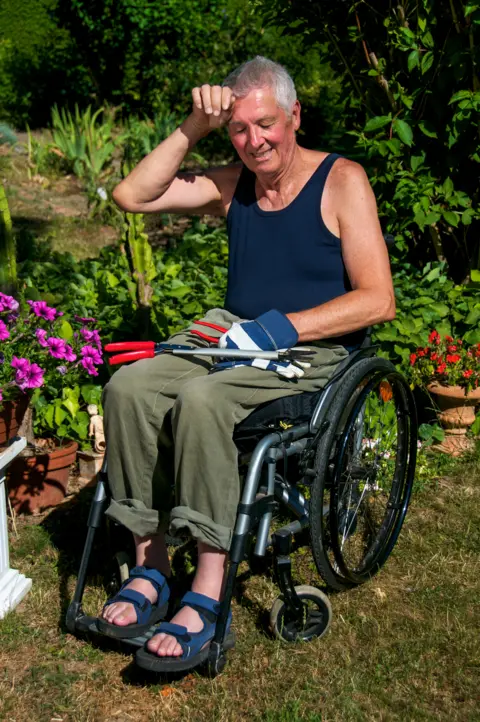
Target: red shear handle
{"x":131,"y":356}
{"x":129,"y":346}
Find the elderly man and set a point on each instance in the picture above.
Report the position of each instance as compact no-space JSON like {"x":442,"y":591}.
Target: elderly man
{"x":307,"y":264}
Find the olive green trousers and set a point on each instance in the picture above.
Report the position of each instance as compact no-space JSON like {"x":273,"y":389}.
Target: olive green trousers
{"x":172,"y":463}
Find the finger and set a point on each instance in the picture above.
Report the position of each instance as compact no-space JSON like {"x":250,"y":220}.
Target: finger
{"x":197,"y":98}
{"x":216,"y":95}
{"x":206,"y":93}
{"x":228,"y":98}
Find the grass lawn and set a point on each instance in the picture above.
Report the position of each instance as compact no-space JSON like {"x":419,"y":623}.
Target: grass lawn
{"x":402,"y":647}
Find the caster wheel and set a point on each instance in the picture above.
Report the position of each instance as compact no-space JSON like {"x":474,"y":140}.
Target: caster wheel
{"x":317,"y":616}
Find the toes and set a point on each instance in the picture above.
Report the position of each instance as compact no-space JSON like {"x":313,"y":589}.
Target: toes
{"x":154,"y":643}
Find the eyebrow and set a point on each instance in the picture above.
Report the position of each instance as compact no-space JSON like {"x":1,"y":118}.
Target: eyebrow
{"x":260,"y":120}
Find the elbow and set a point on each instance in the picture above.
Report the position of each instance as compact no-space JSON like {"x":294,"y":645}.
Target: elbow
{"x":389,"y":310}
{"x":122,"y":198}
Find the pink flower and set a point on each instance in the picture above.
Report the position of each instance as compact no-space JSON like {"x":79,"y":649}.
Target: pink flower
{"x":31,"y":379}
{"x":21,"y":364}
{"x":90,"y":352}
{"x":41,"y":337}
{"x":56,"y":347}
{"x":88,"y":365}
{"x":7,"y":303}
{"x":84,"y":319}
{"x":41,"y":309}
{"x":1,"y":395}
{"x":91,"y":337}
{"x":69,"y":355}
{"x":4,"y":332}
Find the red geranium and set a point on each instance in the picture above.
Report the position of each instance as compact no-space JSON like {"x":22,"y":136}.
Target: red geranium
{"x":447,"y":361}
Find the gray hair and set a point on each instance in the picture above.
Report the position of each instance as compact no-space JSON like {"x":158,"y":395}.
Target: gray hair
{"x":259,"y":73}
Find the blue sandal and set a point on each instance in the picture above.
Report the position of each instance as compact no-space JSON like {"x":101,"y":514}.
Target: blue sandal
{"x":195,"y":645}
{"x":147,"y":613}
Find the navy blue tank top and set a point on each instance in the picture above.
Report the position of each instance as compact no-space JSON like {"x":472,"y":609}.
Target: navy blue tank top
{"x":285,"y":259}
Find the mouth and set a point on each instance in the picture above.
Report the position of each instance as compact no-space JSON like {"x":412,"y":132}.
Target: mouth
{"x":265,"y":155}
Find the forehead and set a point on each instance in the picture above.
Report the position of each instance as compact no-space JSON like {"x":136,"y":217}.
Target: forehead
{"x":258,"y":103}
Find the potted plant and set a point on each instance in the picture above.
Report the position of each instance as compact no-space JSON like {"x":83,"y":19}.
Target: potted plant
{"x":47,"y":363}
{"x":450,"y":370}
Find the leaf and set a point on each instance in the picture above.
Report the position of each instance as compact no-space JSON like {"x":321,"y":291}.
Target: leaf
{"x":60,"y":415}
{"x":112,"y":280}
{"x":475,"y":427}
{"x":416,"y":161}
{"x":460,"y":95}
{"x":470,"y":8}
{"x":451,"y":217}
{"x":65,"y":331}
{"x":440,"y":308}
{"x":413,"y":60}
{"x":427,"y":61}
{"x":467,"y":216}
{"x":475,"y":275}
{"x":427,"y":129}
{"x":379,"y":121}
{"x":448,"y":187}
{"x":72,"y":406}
{"x":403,"y":131}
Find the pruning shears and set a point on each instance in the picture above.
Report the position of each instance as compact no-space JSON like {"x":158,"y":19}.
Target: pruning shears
{"x":135,"y":350}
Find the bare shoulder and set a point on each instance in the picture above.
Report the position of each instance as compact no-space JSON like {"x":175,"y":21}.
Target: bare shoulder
{"x":347,"y":174}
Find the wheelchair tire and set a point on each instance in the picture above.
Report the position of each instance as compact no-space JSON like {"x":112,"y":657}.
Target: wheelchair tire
{"x":316,"y":621}
{"x":363,"y":474}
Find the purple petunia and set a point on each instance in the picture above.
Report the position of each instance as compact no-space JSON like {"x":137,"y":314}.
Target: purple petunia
{"x":20,"y":364}
{"x":1,"y":395}
{"x":90,"y":352}
{"x":56,"y":347}
{"x":7,"y":303}
{"x":32,"y":378}
{"x":92,"y":337}
{"x":85,"y":319}
{"x":41,"y":337}
{"x":41,"y":310}
{"x":4,"y":332}
{"x":89,"y":366}
{"x":62,"y":370}
{"x":69,"y":355}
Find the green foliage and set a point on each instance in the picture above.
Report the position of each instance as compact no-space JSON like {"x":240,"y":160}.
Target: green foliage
{"x":426,"y":300}
{"x":65,"y":416}
{"x":8,"y":258}
{"x":412,"y":90}
{"x":190,"y":279}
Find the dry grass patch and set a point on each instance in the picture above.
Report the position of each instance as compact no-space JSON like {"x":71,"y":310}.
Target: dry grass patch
{"x":403,"y":647}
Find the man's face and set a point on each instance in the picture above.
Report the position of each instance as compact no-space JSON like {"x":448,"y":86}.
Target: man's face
{"x":261,"y":132}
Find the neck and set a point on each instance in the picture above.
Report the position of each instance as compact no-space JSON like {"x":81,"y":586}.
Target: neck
{"x":278,"y":181}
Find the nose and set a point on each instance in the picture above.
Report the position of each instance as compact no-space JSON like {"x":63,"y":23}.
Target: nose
{"x":255,"y":137}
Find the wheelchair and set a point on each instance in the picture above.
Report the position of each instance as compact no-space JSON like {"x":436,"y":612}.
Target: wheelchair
{"x":340,"y":462}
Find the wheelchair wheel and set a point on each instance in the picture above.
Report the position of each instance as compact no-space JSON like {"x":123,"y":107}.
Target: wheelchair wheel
{"x":315,"y":622}
{"x":363,"y":476}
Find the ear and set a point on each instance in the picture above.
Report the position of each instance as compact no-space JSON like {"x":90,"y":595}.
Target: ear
{"x":296,"y":115}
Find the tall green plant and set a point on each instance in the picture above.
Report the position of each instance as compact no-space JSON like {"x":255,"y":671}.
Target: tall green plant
{"x":8,"y":261}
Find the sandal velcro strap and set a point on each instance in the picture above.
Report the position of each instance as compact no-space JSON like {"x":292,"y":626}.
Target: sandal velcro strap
{"x":156,"y":578}
{"x":180,"y":632}
{"x":205,"y":606}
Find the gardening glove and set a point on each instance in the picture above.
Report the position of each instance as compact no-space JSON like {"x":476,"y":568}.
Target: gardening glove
{"x":271,"y":331}
{"x":288,"y":370}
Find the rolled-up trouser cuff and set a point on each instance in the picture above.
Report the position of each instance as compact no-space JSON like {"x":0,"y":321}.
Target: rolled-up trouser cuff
{"x":135,"y":516}
{"x":185,"y":521}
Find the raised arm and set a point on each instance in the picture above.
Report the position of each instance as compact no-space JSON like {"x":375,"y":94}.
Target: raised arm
{"x":155,"y":184}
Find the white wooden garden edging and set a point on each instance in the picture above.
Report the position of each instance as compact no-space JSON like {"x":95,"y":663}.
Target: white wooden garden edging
{"x":13,"y":585}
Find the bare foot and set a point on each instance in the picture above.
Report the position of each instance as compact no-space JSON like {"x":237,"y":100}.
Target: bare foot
{"x":123,"y":613}
{"x":164,"y":645}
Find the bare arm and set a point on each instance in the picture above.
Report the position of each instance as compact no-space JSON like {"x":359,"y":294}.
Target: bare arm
{"x":365,"y":256}
{"x":155,"y":184}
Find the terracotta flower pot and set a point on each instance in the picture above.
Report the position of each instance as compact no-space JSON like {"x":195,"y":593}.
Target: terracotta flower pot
{"x":457,"y":414}
{"x":37,"y":482}
{"x":11,"y":417}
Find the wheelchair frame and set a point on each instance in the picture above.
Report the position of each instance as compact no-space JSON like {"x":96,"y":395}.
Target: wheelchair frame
{"x":255,"y":511}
